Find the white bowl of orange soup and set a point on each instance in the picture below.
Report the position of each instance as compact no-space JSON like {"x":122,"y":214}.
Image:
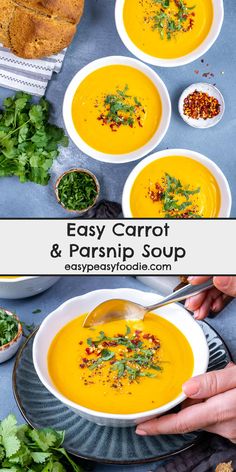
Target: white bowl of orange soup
{"x":16,"y":287}
{"x":116,"y":109}
{"x":169,"y":33}
{"x":176,"y":183}
{"x":122,"y":372}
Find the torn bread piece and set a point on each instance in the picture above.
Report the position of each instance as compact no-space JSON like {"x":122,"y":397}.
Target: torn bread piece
{"x":32,"y":35}
{"x":7,"y":10}
{"x":70,"y":10}
{"x":34,"y":29}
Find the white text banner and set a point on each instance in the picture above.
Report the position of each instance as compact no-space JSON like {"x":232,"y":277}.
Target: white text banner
{"x":118,"y":247}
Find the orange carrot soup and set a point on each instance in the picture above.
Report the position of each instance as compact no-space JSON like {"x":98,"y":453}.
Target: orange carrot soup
{"x":120,"y":367}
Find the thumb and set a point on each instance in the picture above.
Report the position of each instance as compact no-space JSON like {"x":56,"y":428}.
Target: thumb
{"x":210,"y":384}
{"x":226,"y":285}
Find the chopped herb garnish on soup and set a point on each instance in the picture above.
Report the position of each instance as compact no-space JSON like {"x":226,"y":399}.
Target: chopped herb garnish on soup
{"x":176,"y":198}
{"x":77,"y":191}
{"x":8,"y":327}
{"x":121,"y":109}
{"x":130,"y":356}
{"x":122,"y":366}
{"x":171,"y":17}
{"x":168,"y":29}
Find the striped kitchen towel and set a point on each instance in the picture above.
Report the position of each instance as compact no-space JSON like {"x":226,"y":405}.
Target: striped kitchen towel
{"x":28,"y":75}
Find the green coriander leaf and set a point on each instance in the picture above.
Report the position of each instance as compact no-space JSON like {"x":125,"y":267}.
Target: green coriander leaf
{"x":36,"y":311}
{"x":11,"y":444}
{"x":43,"y":438}
{"x":40,"y":457}
{"x":106,"y":354}
{"x":8,"y":426}
{"x":128,"y":331}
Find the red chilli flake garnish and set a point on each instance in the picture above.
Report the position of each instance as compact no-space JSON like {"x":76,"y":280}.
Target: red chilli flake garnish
{"x":90,"y":350}
{"x":137,"y":332}
{"x":156,"y":194}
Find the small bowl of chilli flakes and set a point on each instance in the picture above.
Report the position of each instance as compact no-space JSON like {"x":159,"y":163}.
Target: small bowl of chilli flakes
{"x":10,"y":334}
{"x":77,"y":190}
{"x":201,"y":105}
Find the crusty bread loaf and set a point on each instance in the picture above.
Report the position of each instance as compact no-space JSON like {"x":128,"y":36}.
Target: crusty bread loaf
{"x":67,"y":9}
{"x":38,"y":28}
{"x":6,"y":12}
{"x":33,"y":35}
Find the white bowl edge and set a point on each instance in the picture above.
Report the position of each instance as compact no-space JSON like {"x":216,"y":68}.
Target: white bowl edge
{"x":58,"y":318}
{"x":176,"y":62}
{"x":226,"y":197}
{"x":156,"y":138}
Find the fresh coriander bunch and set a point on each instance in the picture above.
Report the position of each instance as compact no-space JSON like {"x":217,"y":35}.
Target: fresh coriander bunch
{"x":23,"y":449}
{"x":28,"y":142}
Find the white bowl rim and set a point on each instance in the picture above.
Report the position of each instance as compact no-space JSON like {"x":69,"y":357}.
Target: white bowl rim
{"x":198,"y":86}
{"x":134,"y":416}
{"x":208,"y":42}
{"x":159,"y":133}
{"x":19,"y":278}
{"x":226,"y":199}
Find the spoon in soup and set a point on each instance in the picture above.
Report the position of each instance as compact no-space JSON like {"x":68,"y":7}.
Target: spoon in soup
{"x":116,"y":309}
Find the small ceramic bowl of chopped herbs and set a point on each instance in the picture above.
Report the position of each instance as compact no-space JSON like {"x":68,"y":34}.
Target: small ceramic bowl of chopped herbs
{"x":77,"y":190}
{"x":11,"y":333}
{"x":201,"y":105}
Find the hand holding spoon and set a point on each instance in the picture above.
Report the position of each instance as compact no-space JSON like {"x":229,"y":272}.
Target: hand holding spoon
{"x":111,"y":310}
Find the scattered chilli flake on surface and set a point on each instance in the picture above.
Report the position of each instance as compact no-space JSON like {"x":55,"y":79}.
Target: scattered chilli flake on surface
{"x":134,"y":355}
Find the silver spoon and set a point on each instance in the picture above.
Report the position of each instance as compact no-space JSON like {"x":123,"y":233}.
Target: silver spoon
{"x":124,"y":309}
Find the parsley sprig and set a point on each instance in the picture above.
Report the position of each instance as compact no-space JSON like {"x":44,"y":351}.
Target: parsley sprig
{"x":137,"y":360}
{"x":23,"y":449}
{"x":121,"y":109}
{"x":174,"y":188}
{"x":131,"y":366}
{"x":175,"y":198}
{"x":28,"y":142}
{"x":122,"y":340}
{"x":169,"y":23}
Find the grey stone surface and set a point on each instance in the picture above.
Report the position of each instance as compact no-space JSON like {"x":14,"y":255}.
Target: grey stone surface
{"x":97,"y":37}
{"x":69,"y":287}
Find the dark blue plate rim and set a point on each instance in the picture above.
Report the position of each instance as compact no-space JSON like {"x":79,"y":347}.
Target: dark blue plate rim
{"x":92,"y":458}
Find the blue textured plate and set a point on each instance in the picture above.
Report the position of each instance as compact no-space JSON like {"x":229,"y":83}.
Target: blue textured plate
{"x":87,"y":440}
